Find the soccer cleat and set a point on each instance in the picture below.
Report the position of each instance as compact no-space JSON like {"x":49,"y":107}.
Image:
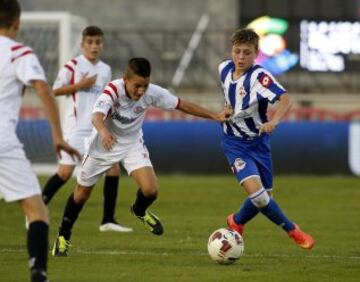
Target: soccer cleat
{"x":61,"y":247}
{"x":114,"y":226}
{"x":301,"y":238}
{"x":233,"y":225}
{"x":152,"y":221}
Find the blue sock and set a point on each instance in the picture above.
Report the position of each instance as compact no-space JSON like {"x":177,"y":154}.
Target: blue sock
{"x":273,"y":212}
{"x":247,"y":212}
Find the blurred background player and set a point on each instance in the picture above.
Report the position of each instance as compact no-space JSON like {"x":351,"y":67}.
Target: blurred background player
{"x":118,"y":117}
{"x":20,"y":67}
{"x":245,"y":141}
{"x":83,"y":79}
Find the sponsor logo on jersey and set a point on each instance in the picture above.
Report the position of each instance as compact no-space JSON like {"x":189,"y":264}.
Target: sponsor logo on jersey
{"x":239,"y":164}
{"x":122,"y":119}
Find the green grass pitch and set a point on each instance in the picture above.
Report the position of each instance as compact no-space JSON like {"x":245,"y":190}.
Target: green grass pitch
{"x":191,"y":207}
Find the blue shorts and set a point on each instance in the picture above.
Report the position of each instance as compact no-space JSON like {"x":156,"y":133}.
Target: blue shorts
{"x":249,"y":157}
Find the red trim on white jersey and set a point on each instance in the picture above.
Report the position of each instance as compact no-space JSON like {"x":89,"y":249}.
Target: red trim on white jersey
{"x":69,"y":68}
{"x":74,"y":61}
{"x":107,"y":92}
{"x":72,"y":82}
{"x":21,"y":55}
{"x":113,"y":87}
{"x":17,"y":47}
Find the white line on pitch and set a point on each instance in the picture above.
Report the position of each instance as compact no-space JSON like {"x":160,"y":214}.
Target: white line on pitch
{"x":121,"y":253}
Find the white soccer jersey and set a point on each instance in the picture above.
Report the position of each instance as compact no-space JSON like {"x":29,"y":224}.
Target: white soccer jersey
{"x":249,"y":96}
{"x":18,"y":67}
{"x":81,"y":103}
{"x":124,"y":116}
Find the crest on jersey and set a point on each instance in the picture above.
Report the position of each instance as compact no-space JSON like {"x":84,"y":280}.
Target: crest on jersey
{"x":266,"y":80}
{"x":239,"y":164}
{"x":242,"y":91}
{"x":138,"y":110}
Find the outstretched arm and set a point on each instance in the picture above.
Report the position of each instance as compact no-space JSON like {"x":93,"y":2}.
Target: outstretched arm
{"x":199,"y":111}
{"x":282,"y":109}
{"x":51,"y":111}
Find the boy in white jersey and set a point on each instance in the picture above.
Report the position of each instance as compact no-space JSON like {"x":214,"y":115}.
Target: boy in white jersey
{"x":248,"y":88}
{"x":118,"y":116}
{"x":19,"y":67}
{"x":82,"y":80}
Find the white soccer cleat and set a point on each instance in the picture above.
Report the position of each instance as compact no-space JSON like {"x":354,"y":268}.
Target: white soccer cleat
{"x":115,"y":227}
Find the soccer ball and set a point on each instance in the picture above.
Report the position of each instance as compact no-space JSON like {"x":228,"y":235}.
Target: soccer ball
{"x":225,"y":246}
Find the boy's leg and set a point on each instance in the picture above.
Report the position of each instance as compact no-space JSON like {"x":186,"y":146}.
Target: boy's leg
{"x":72,"y":210}
{"x":55,"y":182}
{"x":146,"y":179}
{"x":110,"y":193}
{"x":37,"y":236}
{"x":88,"y":175}
{"x":268,"y":206}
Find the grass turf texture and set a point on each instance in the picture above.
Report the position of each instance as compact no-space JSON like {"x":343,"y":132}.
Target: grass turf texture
{"x":191,"y":208}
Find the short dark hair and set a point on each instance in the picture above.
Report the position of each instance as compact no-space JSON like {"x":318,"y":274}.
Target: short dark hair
{"x":138,"y":66}
{"x":92,"y":30}
{"x":9,"y":12}
{"x":245,"y":35}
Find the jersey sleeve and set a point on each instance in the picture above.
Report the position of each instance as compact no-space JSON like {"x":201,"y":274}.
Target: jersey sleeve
{"x":162,"y":98}
{"x":66,"y":75}
{"x":28,"y":67}
{"x":106,"y":100}
{"x":268,"y":87}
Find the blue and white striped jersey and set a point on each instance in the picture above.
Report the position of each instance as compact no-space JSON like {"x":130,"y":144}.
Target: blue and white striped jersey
{"x":249,"y":96}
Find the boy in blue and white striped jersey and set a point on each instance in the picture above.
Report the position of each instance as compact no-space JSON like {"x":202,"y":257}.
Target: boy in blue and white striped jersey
{"x":248,"y":88}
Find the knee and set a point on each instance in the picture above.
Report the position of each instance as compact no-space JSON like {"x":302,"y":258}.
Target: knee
{"x":114,"y":170}
{"x":82,"y":194}
{"x":37,"y":212}
{"x":150,"y":191}
{"x":260,"y":198}
{"x":65,"y":173}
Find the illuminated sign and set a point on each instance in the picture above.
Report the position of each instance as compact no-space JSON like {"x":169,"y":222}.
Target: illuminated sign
{"x":273,"y":54}
{"x":325,"y":45}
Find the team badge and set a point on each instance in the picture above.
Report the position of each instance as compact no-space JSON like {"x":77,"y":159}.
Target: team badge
{"x":138,"y":110}
{"x":242,"y":91}
{"x":239,"y":164}
{"x":265,"y":80}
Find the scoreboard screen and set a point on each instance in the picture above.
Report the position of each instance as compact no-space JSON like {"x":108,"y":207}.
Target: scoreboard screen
{"x":330,"y":46}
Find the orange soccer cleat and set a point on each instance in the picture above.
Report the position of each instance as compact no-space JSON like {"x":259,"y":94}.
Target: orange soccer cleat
{"x":233,"y":225}
{"x":301,"y":238}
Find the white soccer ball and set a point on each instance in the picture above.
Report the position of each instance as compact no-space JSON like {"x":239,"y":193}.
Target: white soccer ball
{"x":225,"y":246}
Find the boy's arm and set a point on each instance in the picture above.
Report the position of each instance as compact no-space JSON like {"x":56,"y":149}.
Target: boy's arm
{"x":51,"y":111}
{"x":282,"y":109}
{"x":196,"y":110}
{"x":84,"y":83}
{"x":107,"y":140}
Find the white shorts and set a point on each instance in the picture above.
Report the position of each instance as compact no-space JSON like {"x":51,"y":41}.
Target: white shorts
{"x":77,"y":141}
{"x":132,"y":157}
{"x":17,"y":179}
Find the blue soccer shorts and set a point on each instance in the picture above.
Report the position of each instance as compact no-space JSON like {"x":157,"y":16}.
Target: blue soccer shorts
{"x":249,"y":157}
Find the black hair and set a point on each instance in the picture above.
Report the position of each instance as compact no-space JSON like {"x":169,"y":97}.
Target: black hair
{"x":92,"y":30}
{"x":138,"y":66}
{"x":9,"y":12}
